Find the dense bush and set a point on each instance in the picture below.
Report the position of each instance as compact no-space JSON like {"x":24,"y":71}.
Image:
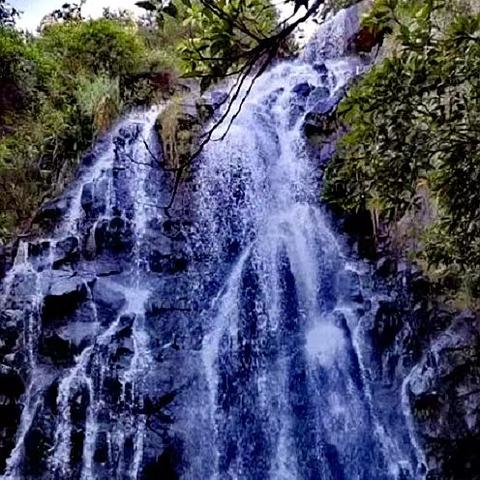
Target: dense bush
{"x":415,"y":135}
{"x":60,"y":89}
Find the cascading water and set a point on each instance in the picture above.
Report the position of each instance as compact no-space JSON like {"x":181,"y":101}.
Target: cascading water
{"x":287,"y":393}
{"x":222,"y":342}
{"x":111,"y":195}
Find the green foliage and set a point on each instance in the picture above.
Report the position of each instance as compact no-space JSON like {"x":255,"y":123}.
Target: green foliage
{"x":217,"y":36}
{"x":99,"y":98}
{"x":58,"y":91}
{"x":94,"y":47}
{"x":220,"y":42}
{"x":415,"y":123}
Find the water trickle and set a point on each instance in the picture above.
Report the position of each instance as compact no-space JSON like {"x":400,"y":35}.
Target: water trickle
{"x":80,"y":399}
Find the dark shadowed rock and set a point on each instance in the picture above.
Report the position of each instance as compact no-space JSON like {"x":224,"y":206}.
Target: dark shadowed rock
{"x":444,"y":391}
{"x":303,"y":89}
{"x":87,"y":196}
{"x":67,"y":252}
{"x":60,"y":350}
{"x":114,"y":235}
{"x":170,"y":263}
{"x":51,"y":212}
{"x":64,"y":294}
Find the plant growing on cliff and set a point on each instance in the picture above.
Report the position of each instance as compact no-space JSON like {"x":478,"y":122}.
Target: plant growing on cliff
{"x":415,"y":124}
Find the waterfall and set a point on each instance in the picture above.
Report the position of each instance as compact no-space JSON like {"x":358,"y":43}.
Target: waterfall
{"x":286,"y":389}
{"x":107,"y":347}
{"x":222,"y":340}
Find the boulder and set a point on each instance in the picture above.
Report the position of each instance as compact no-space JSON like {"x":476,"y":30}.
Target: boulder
{"x":316,"y":98}
{"x":67,"y":252}
{"x":303,"y":89}
{"x":63,"y":295}
{"x":51,"y":212}
{"x":109,"y":301}
{"x":320,"y":122}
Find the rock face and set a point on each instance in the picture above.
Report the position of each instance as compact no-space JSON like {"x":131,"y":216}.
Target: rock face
{"x":180,"y":125}
{"x":85,"y":370}
{"x":444,"y":392}
{"x":422,"y":356}
{"x":430,"y":355}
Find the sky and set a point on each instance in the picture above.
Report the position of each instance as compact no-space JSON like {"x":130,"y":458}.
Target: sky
{"x":35,"y":10}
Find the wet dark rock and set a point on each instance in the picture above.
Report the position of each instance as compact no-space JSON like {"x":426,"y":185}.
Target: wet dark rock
{"x":64,"y":295}
{"x":11,"y":384}
{"x":5,"y":260}
{"x":349,"y":282}
{"x":168,"y":263}
{"x":89,"y":159}
{"x":38,"y":443}
{"x":93,"y":197}
{"x":321,"y":68}
{"x":10,"y":329}
{"x":317,"y":96}
{"x":51,"y":212}
{"x":100,"y":196}
{"x":173,"y":229}
{"x":67,"y":252}
{"x":108,"y":300}
{"x":166,"y":465}
{"x":420,"y":286}
{"x":101,"y":448}
{"x":112,"y":389}
{"x":78,"y":414}
{"x":303,"y":89}
{"x":87,"y":196}
{"x":320,"y":120}
{"x":114,"y":235}
{"x":444,"y":393}
{"x":388,"y":321}
{"x":385,"y":266}
{"x":59,"y":350}
{"x":38,"y":254}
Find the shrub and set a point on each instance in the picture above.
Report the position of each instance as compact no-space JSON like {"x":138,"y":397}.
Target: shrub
{"x":415,"y":121}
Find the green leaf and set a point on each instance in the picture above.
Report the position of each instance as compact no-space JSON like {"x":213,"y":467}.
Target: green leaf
{"x":171,"y":9}
{"x":146,"y":5}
